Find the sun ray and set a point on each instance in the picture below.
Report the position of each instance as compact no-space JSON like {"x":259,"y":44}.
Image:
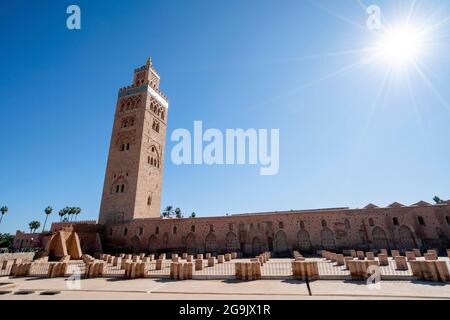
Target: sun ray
{"x":414,"y":102}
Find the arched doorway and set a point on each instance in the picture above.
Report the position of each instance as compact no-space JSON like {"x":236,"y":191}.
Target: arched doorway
{"x":135,"y":245}
{"x":328,"y":240}
{"x":406,"y":238}
{"x":152,"y":244}
{"x":281,"y":244}
{"x":191,"y":244}
{"x":211,"y":243}
{"x":256,"y":246}
{"x":379,"y":239}
{"x":304,"y":241}
{"x":231,"y":242}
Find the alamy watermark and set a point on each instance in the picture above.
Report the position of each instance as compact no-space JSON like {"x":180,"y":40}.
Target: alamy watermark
{"x":73,"y":21}
{"x":234,"y":147}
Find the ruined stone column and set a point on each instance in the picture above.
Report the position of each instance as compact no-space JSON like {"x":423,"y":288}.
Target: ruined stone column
{"x":359,"y":269}
{"x":200,"y":256}
{"x":448,"y":253}
{"x":433,"y":270}
{"x":175,"y":259}
{"x":401,"y":263}
{"x":117,"y":261}
{"x":190,"y":258}
{"x":211,"y":261}
{"x":324,"y":254}
{"x":199,"y":264}
{"x":248,"y":271}
{"x":188,"y":270}
{"x":340,"y":259}
{"x":227,"y":257}
{"x":220,"y":258}
{"x":174,"y":255}
{"x":136,"y":259}
{"x":384,"y":251}
{"x":431,"y":255}
{"x":370,"y":255}
{"x":395,"y":253}
{"x":234,"y":255}
{"x":162,"y":256}
{"x":360,"y":255}
{"x":305,"y":270}
{"x":128,"y":257}
{"x":383,"y":259}
{"x":410,"y":255}
{"x":159,"y":264}
{"x":346,"y":260}
{"x":207,"y":255}
{"x":152,"y":257}
{"x":184,"y":256}
{"x":417,"y":253}
{"x":333,"y":257}
{"x":327,"y":255}
{"x":353,"y":254}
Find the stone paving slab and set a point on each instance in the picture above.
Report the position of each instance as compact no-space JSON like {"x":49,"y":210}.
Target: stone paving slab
{"x":411,"y":289}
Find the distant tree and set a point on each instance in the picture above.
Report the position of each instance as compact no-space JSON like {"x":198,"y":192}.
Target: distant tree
{"x":67,"y":211}
{"x":6,"y":240}
{"x":178,"y":213}
{"x":167,"y":211}
{"x":47,"y":211}
{"x":61,"y":214}
{"x":193,"y":215}
{"x":77,"y":212}
{"x":438,"y":200}
{"x":34,"y":225}
{"x":3,"y":210}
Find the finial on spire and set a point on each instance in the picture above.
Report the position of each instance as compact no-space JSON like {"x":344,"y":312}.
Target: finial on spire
{"x":149,"y":61}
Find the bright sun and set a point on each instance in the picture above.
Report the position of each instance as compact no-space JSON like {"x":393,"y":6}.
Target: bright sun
{"x":401,"y":45}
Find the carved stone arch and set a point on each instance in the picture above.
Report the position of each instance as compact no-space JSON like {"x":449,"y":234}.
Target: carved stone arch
{"x":281,"y":246}
{"x":153,"y":156}
{"x":165,"y":239}
{"x":303,"y":240}
{"x":379,"y":238}
{"x":135,"y":245}
{"x":406,"y":238}
{"x":153,"y":244}
{"x":191,"y":243}
{"x":119,"y":182}
{"x":328,"y":239}
{"x":232,"y":243}
{"x":211,"y":243}
{"x":256,"y":246}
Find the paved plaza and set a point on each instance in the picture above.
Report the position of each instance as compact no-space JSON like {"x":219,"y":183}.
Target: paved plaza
{"x":154,"y":289}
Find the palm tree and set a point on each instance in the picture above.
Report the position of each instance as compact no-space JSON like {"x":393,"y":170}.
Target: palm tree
{"x":47,"y":211}
{"x":61,"y":214}
{"x":193,"y":215}
{"x":438,"y":200}
{"x":167,"y":211}
{"x":3,"y":210}
{"x":68,"y":212}
{"x":77,"y":212}
{"x":178,"y":213}
{"x":34,"y":225}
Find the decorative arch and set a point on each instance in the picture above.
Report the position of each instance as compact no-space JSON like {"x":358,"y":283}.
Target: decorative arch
{"x":135,"y":245}
{"x":191,"y":243}
{"x":406,"y":238}
{"x":153,"y":158}
{"x":281,"y":244}
{"x":211,"y":243}
{"x":379,"y":238}
{"x":303,"y":240}
{"x":152,"y":244}
{"x":328,"y":239}
{"x":231,"y":242}
{"x":256,"y":246}
{"x":120,"y":185}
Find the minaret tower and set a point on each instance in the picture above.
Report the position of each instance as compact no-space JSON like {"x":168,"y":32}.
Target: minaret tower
{"x":133,"y":179}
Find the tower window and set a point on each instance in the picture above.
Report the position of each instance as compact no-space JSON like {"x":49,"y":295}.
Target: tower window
{"x":302,"y":224}
{"x":371,"y":223}
{"x":280,"y":225}
{"x":117,"y":188}
{"x":157,"y":230}
{"x":193,"y":228}
{"x":174,"y":229}
{"x":125,"y":231}
{"x":395,"y":221}
{"x":128,"y":146}
{"x":211,"y":228}
{"x":421,"y":221}
{"x":122,"y":189}
{"x":230,"y":226}
{"x":141,"y":231}
{"x":347,"y":224}
{"x":324,"y":223}
{"x":123,"y":147}
{"x":149,"y":201}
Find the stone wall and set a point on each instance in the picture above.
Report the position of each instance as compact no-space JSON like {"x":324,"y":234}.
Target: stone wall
{"x":396,"y":227}
{"x":25,"y":256}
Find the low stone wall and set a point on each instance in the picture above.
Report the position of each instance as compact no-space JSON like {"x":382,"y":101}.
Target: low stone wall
{"x":432,"y":270}
{"x":305,"y":270}
{"x":25,"y":256}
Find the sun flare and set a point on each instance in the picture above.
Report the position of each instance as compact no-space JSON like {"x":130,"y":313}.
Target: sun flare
{"x":400,"y":45}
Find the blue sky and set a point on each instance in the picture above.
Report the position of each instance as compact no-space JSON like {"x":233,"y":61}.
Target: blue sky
{"x":231,"y":64}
